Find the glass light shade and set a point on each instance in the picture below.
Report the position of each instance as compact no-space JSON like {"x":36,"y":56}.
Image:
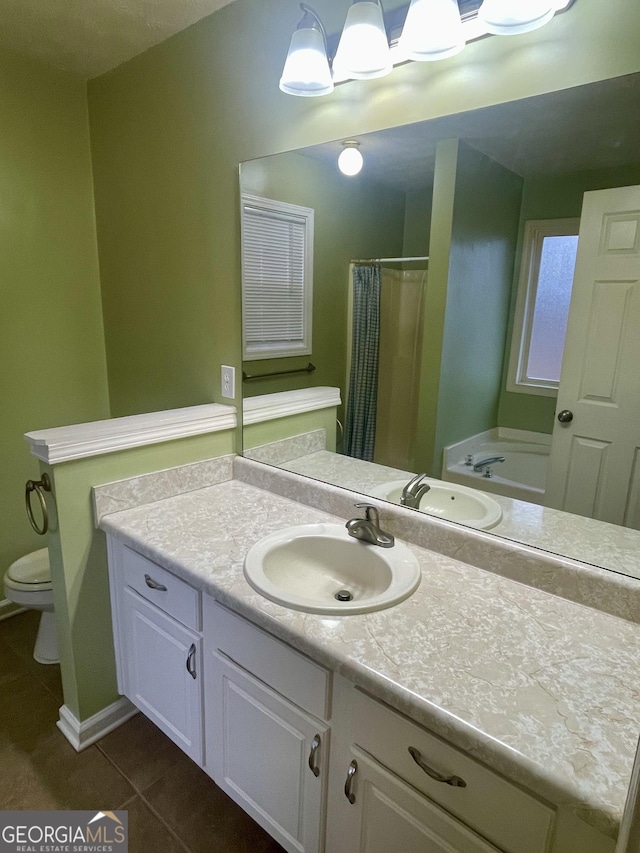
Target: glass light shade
{"x":350,"y":160}
{"x":512,"y":17}
{"x":363,"y":49}
{"x":432,"y":30}
{"x":306,"y":71}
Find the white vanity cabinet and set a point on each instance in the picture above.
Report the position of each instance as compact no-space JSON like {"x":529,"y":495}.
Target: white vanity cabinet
{"x":266,"y":731}
{"x":401,"y":782}
{"x":321,"y":765}
{"x":158,"y":640}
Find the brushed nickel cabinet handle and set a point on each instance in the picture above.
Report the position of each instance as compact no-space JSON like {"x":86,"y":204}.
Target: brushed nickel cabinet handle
{"x":456,"y":781}
{"x":348,"y":785}
{"x":191,"y":661}
{"x":315,"y":746}
{"x":154,"y":584}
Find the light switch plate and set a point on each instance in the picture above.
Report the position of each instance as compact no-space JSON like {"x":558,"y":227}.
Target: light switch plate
{"x":228,"y":381}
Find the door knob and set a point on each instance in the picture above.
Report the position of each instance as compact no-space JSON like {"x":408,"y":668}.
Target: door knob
{"x":565,"y":416}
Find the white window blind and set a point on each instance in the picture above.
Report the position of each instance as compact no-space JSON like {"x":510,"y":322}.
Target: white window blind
{"x":277,"y":262}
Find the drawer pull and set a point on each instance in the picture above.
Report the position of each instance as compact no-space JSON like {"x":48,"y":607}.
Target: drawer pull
{"x":191,"y":661}
{"x":315,"y":746}
{"x":456,"y":781}
{"x":154,"y":584}
{"x":348,"y":785}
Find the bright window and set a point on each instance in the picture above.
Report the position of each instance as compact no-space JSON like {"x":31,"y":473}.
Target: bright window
{"x":277,"y":278}
{"x":542,"y":307}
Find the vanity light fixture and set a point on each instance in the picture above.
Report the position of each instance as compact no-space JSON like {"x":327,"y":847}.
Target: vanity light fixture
{"x":421,"y":30}
{"x":350,"y":161}
{"x":307,"y":72}
{"x":512,"y":17}
{"x":363,"y":51}
{"x":432,"y":30}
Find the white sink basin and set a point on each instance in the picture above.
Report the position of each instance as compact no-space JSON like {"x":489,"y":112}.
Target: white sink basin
{"x":450,"y":501}
{"x":305,"y":567}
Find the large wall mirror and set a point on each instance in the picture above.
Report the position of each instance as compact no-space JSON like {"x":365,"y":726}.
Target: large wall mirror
{"x":481,"y":343}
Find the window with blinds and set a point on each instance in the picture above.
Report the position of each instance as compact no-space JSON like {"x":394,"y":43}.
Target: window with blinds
{"x":277,"y":278}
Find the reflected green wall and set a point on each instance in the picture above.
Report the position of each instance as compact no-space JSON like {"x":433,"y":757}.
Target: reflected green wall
{"x":354,"y":218}
{"x":549,"y":198}
{"x":277,"y":429}
{"x":52,"y":357}
{"x":482,"y":253}
{"x":474,"y":229}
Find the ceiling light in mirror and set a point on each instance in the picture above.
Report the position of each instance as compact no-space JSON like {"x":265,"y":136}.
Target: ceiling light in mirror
{"x":432,"y":30}
{"x":363,"y":50}
{"x":350,"y":161}
{"x":306,"y":71}
{"x":512,"y":17}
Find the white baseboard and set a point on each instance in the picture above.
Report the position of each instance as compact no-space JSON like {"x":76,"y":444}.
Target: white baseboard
{"x":82,"y":734}
{"x":8,"y":608}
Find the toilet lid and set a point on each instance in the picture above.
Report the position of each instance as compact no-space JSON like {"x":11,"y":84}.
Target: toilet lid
{"x":32,"y":569}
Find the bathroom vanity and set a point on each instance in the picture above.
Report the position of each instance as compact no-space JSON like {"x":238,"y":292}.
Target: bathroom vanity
{"x":477,"y":715}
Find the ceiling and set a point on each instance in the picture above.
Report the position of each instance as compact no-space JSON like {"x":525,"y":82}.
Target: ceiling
{"x":587,"y":127}
{"x":89,"y":37}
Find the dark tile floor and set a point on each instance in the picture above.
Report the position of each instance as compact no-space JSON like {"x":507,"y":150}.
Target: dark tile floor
{"x":173,"y":806}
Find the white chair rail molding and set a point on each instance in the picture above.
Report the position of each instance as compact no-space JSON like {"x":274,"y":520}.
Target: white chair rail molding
{"x":372,"y":42}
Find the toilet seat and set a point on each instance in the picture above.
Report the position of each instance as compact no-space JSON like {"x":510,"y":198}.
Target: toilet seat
{"x":30,"y":573}
{"x":27,"y":583}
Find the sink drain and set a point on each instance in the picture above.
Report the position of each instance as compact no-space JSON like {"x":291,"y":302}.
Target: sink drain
{"x":343,"y":595}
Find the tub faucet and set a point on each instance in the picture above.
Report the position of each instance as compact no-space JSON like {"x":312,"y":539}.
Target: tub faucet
{"x":414,"y":491}
{"x":368,"y":529}
{"x":478,"y":466}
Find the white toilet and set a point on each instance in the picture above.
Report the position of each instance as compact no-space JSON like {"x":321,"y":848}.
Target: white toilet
{"x":28,"y":583}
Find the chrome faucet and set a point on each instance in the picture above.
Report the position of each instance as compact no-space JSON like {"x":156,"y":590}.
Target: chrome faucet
{"x":368,"y":529}
{"x":488,"y":461}
{"x":414,"y":491}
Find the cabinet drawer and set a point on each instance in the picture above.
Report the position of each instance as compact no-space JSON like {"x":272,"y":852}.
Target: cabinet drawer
{"x":163,"y":589}
{"x":286,"y":671}
{"x":499,"y":811}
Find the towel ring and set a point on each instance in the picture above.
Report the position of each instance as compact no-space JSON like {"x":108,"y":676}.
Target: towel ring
{"x":38,"y":486}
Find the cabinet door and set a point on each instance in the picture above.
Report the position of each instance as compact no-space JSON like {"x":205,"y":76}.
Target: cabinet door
{"x":163,"y":669}
{"x":267,"y":754}
{"x":388,"y":815}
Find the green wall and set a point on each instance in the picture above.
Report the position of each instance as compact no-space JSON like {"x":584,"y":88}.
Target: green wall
{"x":554,"y":197}
{"x":52,"y":357}
{"x":417,"y":224}
{"x":483,"y":245}
{"x":354,"y":218}
{"x":170,"y":127}
{"x":79,"y":561}
{"x":277,"y":429}
{"x":474,"y":227}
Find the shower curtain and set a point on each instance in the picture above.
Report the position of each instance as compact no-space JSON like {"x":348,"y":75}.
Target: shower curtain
{"x":360,"y":426}
{"x":402,"y":297}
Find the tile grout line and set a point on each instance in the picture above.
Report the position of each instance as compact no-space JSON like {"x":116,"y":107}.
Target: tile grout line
{"x":140,"y":794}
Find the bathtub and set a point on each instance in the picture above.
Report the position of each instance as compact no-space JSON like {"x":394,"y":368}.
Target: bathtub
{"x":521,"y":476}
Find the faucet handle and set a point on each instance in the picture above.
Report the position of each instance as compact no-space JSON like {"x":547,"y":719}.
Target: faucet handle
{"x":371,"y":512}
{"x":413,"y":484}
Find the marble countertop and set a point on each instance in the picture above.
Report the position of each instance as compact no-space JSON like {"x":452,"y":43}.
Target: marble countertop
{"x":539,"y":688}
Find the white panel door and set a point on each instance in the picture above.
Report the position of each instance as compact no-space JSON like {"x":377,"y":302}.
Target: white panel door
{"x":267,"y":754}
{"x":594,"y":468}
{"x":388,"y":815}
{"x":164,"y":672}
